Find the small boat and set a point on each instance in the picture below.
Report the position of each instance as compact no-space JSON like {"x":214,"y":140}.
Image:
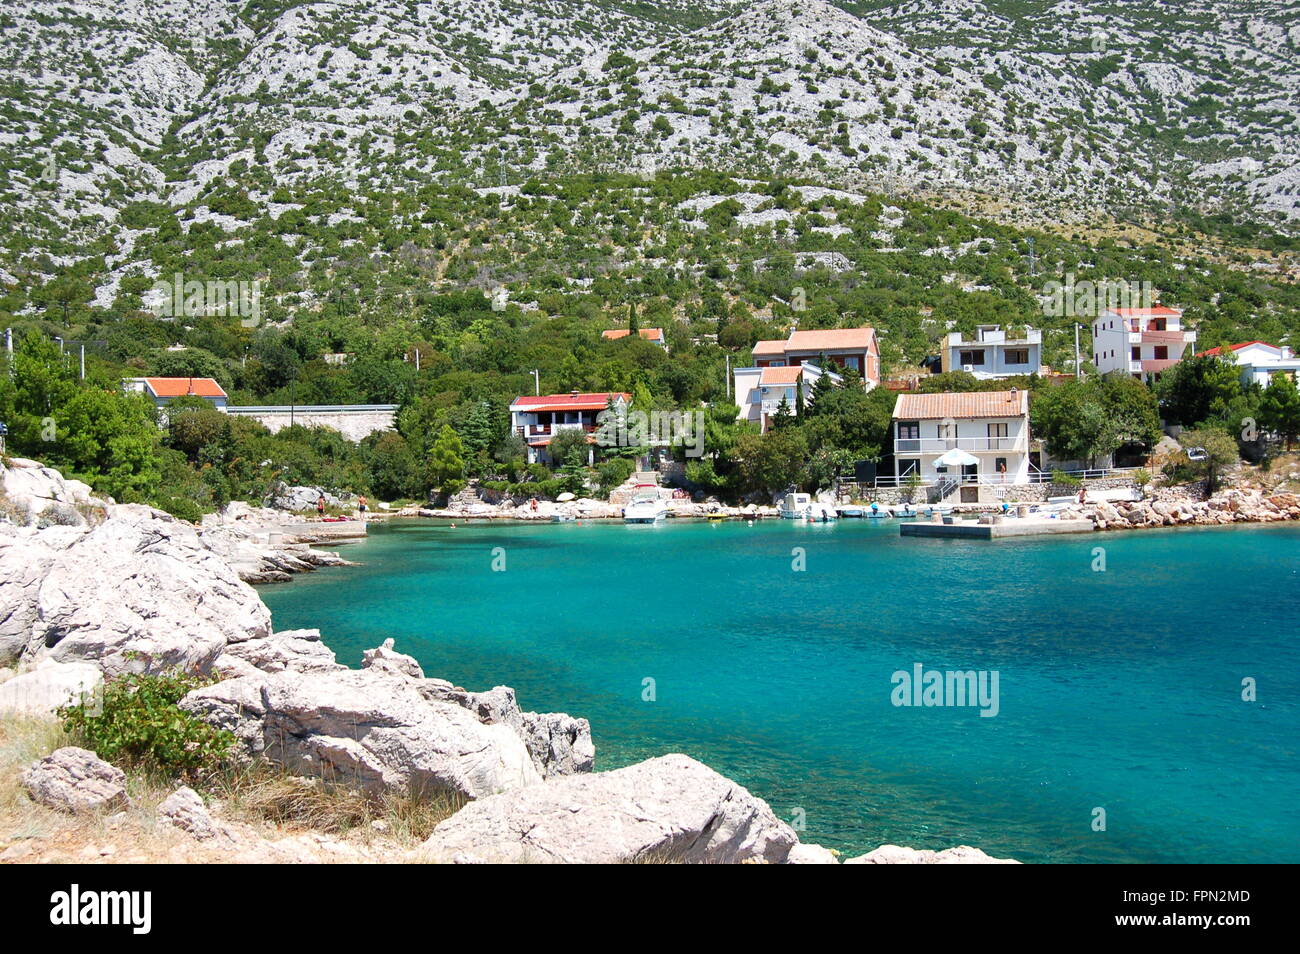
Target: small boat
{"x":853,"y":512}
{"x":563,"y":518}
{"x":795,"y":506}
{"x":820,"y":513}
{"x":878,"y":513}
{"x":904,"y":510}
{"x":715,"y":517}
{"x":645,"y":507}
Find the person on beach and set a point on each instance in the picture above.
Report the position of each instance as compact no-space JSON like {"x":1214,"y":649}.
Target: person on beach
{"x":320,"y":506}
{"x":361,"y":505}
{"x":533,"y":503}
{"x":1083,"y":494}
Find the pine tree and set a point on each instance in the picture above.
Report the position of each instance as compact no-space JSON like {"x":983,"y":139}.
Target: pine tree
{"x":1279,"y":408}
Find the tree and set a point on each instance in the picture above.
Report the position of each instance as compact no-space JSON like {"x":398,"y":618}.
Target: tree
{"x":1219,"y":446}
{"x":771,"y":462}
{"x":565,"y":442}
{"x":1279,"y":408}
{"x":393,"y":470}
{"x":447,"y":459}
{"x":1197,"y":389}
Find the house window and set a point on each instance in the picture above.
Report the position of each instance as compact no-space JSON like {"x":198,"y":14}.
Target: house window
{"x":1017,"y":356}
{"x":909,"y":466}
{"x":853,"y":361}
{"x":1135,"y":353}
{"x":1162,"y":352}
{"x":945,"y":430}
{"x":972,"y":357}
{"x":909,"y":436}
{"x":996,"y":432}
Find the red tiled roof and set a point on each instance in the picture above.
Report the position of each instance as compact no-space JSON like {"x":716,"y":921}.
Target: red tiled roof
{"x":832,"y":340}
{"x":967,"y":404}
{"x":1235,"y":347}
{"x":788,"y":374}
{"x":595,"y":401}
{"x":649,"y":334}
{"x":180,"y":387}
{"x":1155,"y":311}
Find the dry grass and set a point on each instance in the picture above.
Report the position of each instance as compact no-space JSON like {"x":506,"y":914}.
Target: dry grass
{"x":291,"y":803}
{"x":272,"y":817}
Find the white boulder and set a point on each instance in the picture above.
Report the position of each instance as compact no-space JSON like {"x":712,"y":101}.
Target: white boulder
{"x":896,"y":855}
{"x":366,"y":729}
{"x":138,"y":593}
{"x":49,"y":687}
{"x":668,"y":809}
{"x":76,"y":780}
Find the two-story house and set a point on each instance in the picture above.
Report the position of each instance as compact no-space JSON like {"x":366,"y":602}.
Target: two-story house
{"x":1143,"y":342}
{"x":761,"y":391}
{"x":991,"y":354}
{"x":973,"y":440}
{"x":854,"y":348}
{"x":537,"y":419}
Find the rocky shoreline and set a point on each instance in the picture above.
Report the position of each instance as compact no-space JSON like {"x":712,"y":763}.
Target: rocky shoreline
{"x":129,"y":589}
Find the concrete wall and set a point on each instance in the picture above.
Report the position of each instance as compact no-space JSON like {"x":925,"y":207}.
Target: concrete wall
{"x":353,"y":421}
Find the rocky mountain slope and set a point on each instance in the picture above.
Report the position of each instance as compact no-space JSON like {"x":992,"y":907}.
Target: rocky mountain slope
{"x":1103,"y":102}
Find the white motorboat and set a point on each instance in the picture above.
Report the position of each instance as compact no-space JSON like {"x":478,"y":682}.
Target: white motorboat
{"x":645,"y":507}
{"x":794,"y":506}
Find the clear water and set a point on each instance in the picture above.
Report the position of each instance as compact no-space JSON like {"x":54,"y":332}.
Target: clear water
{"x":1118,"y":690}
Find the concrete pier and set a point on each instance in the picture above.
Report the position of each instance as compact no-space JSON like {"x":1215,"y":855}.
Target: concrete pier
{"x":1018,"y":527}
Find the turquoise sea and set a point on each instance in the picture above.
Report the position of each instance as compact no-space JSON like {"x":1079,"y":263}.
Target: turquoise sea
{"x":1118,"y":689}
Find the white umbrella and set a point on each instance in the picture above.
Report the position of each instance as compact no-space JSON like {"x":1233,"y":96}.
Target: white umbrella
{"x":956,"y":458}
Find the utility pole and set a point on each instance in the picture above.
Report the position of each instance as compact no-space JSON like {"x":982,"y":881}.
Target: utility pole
{"x":1033,"y":263}
{"x":727,"y":380}
{"x":83,"y":361}
{"x":1076,"y":351}
{"x":537,"y":384}
{"x":9,"y":340}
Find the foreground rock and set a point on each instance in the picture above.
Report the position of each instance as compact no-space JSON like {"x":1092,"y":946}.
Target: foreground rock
{"x":366,"y":728}
{"x":49,"y":687}
{"x":75,"y":780}
{"x":138,"y":593}
{"x":293,"y":650}
{"x":184,"y":810}
{"x":669,"y":809}
{"x":558,"y":743}
{"x":895,"y":855}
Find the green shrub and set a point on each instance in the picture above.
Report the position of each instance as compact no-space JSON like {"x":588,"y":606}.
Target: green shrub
{"x":182,"y":508}
{"x":140,"y":724}
{"x":1064,"y":479}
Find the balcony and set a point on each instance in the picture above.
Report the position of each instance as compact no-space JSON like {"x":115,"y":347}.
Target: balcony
{"x":939,"y":445}
{"x":532,"y":432}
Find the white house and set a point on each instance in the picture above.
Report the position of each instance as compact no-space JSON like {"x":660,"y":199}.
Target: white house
{"x":973,"y":440}
{"x":760,"y":391}
{"x":1143,"y":342}
{"x":991,"y":354}
{"x":538,"y":419}
{"x":162,"y":391}
{"x":1259,"y":361}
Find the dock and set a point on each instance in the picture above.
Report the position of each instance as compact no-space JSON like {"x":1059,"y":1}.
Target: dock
{"x":1016,"y":527}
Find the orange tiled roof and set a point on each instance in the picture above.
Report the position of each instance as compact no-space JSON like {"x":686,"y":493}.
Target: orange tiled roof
{"x":788,"y":374}
{"x":918,"y":407}
{"x":1156,"y":311}
{"x":649,"y":334}
{"x":567,"y":402}
{"x":831,"y":340}
{"x":180,"y":387}
{"x":1236,"y":347}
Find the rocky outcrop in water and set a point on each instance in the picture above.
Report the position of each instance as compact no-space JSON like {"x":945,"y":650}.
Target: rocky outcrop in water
{"x":668,"y":809}
{"x":961,"y":855}
{"x":1171,"y":509}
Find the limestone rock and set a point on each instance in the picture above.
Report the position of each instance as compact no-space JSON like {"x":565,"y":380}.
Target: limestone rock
{"x":896,"y":855}
{"x":49,"y":687}
{"x":387,"y":659}
{"x":184,"y":809}
{"x":284,"y":497}
{"x":299,"y":650}
{"x":666,"y":809}
{"x":802,"y":854}
{"x":76,"y":780}
{"x":366,"y":728}
{"x":138,"y":593}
